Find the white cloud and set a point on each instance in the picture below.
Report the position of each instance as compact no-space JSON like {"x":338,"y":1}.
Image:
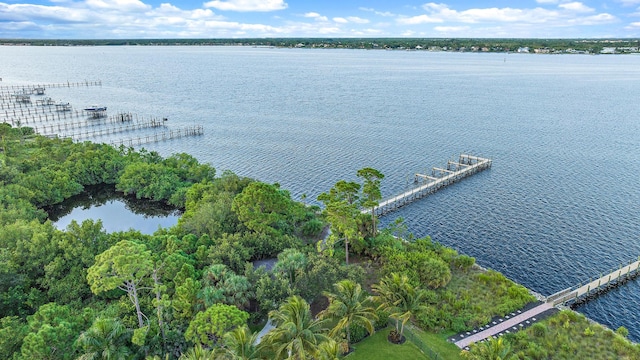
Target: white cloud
{"x":629,"y":2}
{"x":119,"y":5}
{"x":27,"y":12}
{"x":420,"y":19}
{"x":565,"y":12}
{"x":350,"y":19}
{"x":135,"y":18}
{"x":379,"y":13}
{"x":435,"y":7}
{"x":593,"y":20}
{"x":168,"y":11}
{"x":232,"y":25}
{"x":315,"y":16}
{"x":576,"y":6}
{"x":357,"y":20}
{"x":247,"y":5}
{"x":450,"y":29}
{"x":500,"y":15}
{"x":18,"y":26}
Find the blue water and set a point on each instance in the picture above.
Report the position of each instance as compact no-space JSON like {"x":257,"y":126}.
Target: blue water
{"x":116,"y":216}
{"x":559,"y":205}
{"x":117,"y":212}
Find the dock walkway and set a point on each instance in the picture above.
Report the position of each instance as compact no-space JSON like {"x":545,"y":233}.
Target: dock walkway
{"x":428,"y":184}
{"x":34,"y":88}
{"x":510,"y":324}
{"x":161,"y":136}
{"x":573,"y":295}
{"x":593,"y":287}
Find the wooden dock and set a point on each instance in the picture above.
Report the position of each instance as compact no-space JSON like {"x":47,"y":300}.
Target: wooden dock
{"x":40,"y":88}
{"x":58,"y":119}
{"x":36,"y":118}
{"x":165,"y":135}
{"x":580,"y":294}
{"x":428,"y":184}
{"x":98,"y":130}
{"x":119,"y":120}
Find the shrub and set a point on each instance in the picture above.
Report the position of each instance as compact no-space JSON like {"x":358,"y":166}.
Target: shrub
{"x":539,"y":330}
{"x":458,"y":324}
{"x":463,"y":262}
{"x":358,"y":333}
{"x":536,"y":351}
{"x":429,"y":319}
{"x":312,"y":227}
{"x":588,"y":331}
{"x":382,"y":321}
{"x":622,"y":331}
{"x":435,"y":273}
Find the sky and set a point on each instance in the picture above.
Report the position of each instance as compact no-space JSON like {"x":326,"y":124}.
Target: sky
{"x":143,"y":19}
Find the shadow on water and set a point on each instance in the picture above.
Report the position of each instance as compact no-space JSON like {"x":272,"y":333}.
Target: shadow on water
{"x":117,"y":211}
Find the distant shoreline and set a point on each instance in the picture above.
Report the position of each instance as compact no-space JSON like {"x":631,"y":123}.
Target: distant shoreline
{"x":475,"y":45}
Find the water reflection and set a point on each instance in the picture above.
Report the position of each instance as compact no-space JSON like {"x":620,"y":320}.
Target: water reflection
{"x":117,"y":211}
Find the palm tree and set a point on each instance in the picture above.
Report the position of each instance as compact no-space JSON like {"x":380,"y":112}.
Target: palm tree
{"x":198,"y":353}
{"x":238,"y":290}
{"x":400,"y":299}
{"x":222,"y":285}
{"x":240,"y":344}
{"x":329,"y":350}
{"x":297,"y":335}
{"x":349,"y":305}
{"x":494,"y":349}
{"x":105,"y":339}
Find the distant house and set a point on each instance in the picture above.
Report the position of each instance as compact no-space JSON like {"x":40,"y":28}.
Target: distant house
{"x":523,"y":49}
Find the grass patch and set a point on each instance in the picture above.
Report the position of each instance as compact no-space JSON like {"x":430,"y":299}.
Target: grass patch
{"x":570,"y":335}
{"x":438,"y":343}
{"x":377,"y":347}
{"x":471,"y":299}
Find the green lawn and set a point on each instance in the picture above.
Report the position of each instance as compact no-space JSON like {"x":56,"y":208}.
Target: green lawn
{"x":439,"y":344}
{"x":378,"y":347}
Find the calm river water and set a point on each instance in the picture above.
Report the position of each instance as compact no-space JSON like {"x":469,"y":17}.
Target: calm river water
{"x":560,"y":205}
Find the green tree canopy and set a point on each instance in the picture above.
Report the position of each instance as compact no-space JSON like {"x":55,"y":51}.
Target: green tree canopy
{"x":208,"y":327}
{"x":123,"y":266}
{"x":261,"y":207}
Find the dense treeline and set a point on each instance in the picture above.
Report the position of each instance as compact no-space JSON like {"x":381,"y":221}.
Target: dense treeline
{"x":592,"y":46}
{"x":56,"y":285}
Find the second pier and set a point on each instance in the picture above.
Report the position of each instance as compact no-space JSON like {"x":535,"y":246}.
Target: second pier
{"x":439,"y":178}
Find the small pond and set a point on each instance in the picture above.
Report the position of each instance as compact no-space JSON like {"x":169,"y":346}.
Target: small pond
{"x":117,"y":211}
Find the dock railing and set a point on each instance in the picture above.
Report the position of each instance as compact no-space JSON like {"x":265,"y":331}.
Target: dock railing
{"x":428,"y":184}
{"x":587,"y":290}
{"x":36,"y":88}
